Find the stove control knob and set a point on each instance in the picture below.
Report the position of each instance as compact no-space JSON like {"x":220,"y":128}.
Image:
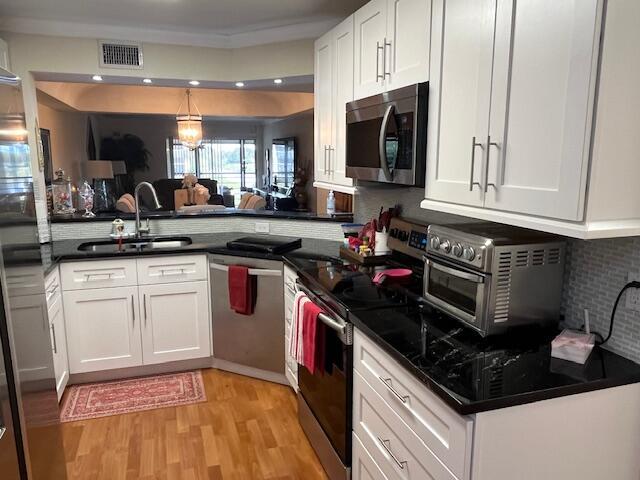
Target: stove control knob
{"x":457,"y":250}
{"x":446,"y":246}
{"x":468,"y":253}
{"x":435,"y":242}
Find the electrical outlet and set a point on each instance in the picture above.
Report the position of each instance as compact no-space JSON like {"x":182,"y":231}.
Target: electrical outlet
{"x":633,"y":294}
{"x":262,"y":227}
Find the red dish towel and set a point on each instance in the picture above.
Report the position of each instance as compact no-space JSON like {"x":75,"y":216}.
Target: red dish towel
{"x":313,"y":338}
{"x":242,"y":290}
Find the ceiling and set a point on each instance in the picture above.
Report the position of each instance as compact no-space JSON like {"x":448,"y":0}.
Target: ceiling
{"x":216,"y":19}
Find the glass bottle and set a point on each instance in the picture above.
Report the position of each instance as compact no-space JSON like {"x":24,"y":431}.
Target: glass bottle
{"x":86,"y":193}
{"x":62,"y":195}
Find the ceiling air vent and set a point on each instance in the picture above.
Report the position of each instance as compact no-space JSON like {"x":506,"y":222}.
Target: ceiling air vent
{"x":117,"y":54}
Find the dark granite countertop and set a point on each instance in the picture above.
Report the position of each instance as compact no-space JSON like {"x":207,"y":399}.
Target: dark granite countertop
{"x":472,"y":374}
{"x":227,"y":212}
{"x":311,"y":250}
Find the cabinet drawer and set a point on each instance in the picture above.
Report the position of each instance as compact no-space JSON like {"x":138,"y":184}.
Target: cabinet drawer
{"x":176,"y":268}
{"x":391,"y":443}
{"x":447,"y":434}
{"x":98,"y":274}
{"x":363,"y":466}
{"x":52,"y":287}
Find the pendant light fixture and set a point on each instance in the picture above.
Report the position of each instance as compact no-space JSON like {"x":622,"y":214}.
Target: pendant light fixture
{"x":189,"y":125}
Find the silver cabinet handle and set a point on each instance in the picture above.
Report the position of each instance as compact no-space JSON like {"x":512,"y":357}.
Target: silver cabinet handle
{"x":378,"y":48}
{"x":144,"y":305}
{"x":486,"y":172}
{"x":384,"y":59}
{"x":55,"y":342}
{"x":325,"y":169}
{"x":387,"y":383}
{"x":386,"y":444}
{"x":133,"y":310}
{"x":172,"y":272}
{"x":474,"y":144}
{"x":2,"y":431}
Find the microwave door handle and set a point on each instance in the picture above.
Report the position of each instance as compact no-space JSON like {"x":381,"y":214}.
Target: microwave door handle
{"x":382,"y":150}
{"x":455,"y":272}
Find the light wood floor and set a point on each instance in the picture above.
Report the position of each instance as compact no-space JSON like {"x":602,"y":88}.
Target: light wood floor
{"x":248,"y":429}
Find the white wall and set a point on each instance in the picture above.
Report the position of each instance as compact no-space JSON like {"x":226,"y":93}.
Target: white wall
{"x":301,"y":127}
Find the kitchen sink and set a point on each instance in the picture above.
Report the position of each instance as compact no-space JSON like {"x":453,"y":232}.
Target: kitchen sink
{"x":137,"y":244}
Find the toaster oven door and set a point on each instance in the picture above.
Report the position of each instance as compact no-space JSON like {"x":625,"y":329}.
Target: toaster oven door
{"x":458,"y":291}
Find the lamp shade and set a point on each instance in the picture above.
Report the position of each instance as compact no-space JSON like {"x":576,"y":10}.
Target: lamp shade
{"x":98,"y":169}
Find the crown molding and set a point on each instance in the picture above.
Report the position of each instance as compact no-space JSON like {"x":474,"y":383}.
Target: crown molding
{"x":259,"y":36}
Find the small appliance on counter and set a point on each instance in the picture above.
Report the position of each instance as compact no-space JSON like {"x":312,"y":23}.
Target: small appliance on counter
{"x":272,"y":245}
{"x":493,"y":277}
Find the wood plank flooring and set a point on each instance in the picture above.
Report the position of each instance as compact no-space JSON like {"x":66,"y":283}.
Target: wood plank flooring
{"x":248,"y":429}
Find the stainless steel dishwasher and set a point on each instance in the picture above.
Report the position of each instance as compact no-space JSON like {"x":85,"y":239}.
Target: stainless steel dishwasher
{"x":255,"y":341}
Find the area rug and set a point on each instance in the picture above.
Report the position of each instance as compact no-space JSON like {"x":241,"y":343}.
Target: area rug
{"x":94,"y":400}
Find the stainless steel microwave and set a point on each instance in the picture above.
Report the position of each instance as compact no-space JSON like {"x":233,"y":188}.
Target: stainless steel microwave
{"x":387,"y":136}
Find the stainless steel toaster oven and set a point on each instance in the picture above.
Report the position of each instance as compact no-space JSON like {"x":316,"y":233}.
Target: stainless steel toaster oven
{"x":493,"y":277}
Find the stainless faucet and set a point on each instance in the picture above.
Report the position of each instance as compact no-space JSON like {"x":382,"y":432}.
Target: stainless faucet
{"x":140,"y":230}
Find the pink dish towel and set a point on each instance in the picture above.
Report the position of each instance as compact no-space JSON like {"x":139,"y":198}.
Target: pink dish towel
{"x":295,"y":327}
{"x":313,"y":338}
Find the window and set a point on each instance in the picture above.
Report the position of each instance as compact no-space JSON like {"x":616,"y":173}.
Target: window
{"x":283,"y":157}
{"x":232,"y":163}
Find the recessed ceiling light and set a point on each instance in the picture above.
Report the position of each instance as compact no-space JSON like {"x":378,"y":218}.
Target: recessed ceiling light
{"x":97,"y":78}
{"x":195,"y":83}
{"x":277,"y":81}
{"x":147,"y":80}
{"x":239,"y":84}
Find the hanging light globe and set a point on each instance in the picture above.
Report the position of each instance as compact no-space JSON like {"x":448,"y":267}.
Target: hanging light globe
{"x":189,"y":125}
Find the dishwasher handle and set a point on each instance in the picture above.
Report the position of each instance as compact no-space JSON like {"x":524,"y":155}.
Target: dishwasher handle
{"x":257,"y":272}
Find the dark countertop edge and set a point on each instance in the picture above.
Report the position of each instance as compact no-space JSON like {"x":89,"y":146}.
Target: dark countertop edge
{"x":269,"y":214}
{"x":451,"y":399}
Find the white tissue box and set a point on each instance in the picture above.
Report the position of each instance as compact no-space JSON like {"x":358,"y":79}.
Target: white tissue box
{"x":573,"y":346}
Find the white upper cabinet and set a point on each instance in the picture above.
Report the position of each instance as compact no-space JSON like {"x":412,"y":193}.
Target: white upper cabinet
{"x":323,"y":111}
{"x":391,"y":45}
{"x":370,"y":31}
{"x":343,"y":94}
{"x":408,"y":39}
{"x":4,"y":55}
{"x":333,"y":90}
{"x":511,"y":109}
{"x":541,"y":106}
{"x":459,"y":97}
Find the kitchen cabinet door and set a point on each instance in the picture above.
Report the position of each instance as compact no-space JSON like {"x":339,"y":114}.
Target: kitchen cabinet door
{"x":30,"y":332}
{"x":370,"y":28}
{"x":176,"y":322}
{"x":59,"y":346}
{"x":408,"y":40}
{"x":103,"y":329}
{"x":343,"y":93}
{"x":542,"y":104}
{"x":459,"y":97}
{"x":324,"y":110}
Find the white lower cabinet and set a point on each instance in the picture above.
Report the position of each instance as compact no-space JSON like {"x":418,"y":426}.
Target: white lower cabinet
{"x":59,"y":346}
{"x":291,"y":365}
{"x":164,"y":319}
{"x":363,"y":467}
{"x":103,"y":329}
{"x":175,"y":321}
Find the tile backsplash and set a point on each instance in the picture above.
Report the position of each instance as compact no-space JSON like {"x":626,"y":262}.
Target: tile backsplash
{"x":595,"y":272}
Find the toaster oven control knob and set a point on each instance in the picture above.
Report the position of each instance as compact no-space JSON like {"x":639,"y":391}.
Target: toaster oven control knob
{"x":457,"y":250}
{"x":468,"y":253}
{"x":435,"y":242}
{"x":446,"y":246}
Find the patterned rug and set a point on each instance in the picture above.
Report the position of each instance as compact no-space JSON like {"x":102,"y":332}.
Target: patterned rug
{"x":82,"y":402}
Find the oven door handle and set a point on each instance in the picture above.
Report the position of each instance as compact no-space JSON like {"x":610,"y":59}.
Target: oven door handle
{"x":338,"y":326}
{"x":382,"y":143}
{"x":474,"y":277}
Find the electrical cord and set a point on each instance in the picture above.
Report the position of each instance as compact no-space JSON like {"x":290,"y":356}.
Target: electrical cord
{"x":629,"y":285}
